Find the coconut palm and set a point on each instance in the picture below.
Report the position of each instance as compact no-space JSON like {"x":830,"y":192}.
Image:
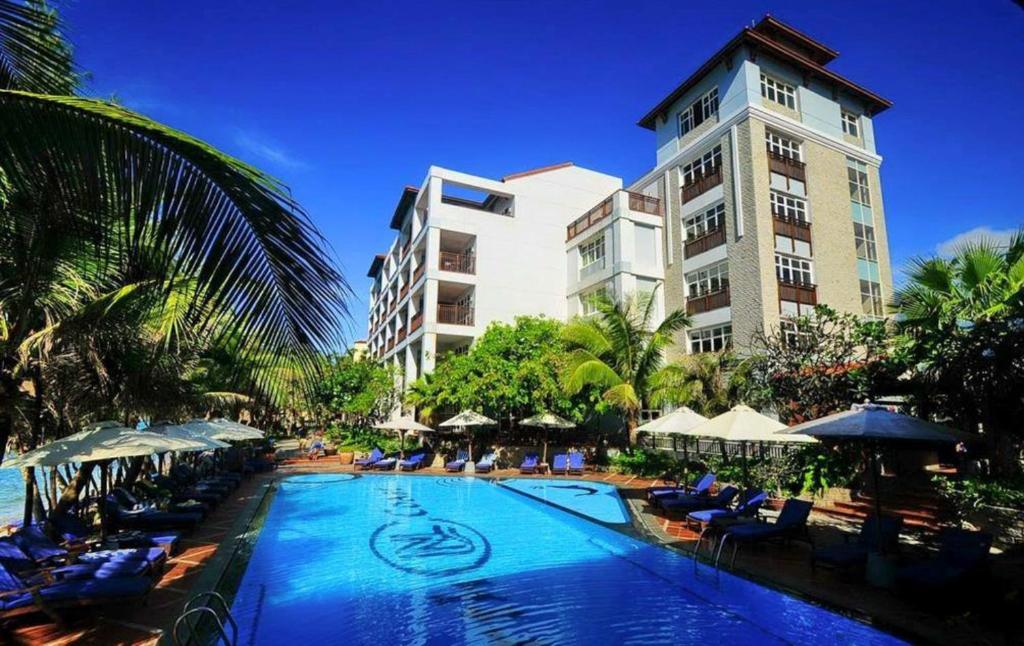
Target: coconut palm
{"x":704,"y":382}
{"x":621,"y":351}
{"x":89,"y":189}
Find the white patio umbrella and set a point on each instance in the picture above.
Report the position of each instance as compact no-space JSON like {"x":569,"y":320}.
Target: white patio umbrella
{"x":547,"y":421}
{"x":402,"y":425}
{"x":465,"y":420}
{"x":744,"y":424}
{"x":239,"y":426}
{"x":877,"y":425}
{"x":222,"y":431}
{"x":676,"y":423}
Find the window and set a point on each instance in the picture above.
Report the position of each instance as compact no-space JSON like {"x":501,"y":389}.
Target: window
{"x":702,"y":166}
{"x":871,"y":298}
{"x":792,"y":333}
{"x":779,"y":92}
{"x":788,"y":207}
{"x":782,"y":146}
{"x":711,"y":339}
{"x":796,"y":271}
{"x":851,"y":124}
{"x":698,"y":112}
{"x":708,"y":280}
{"x":864,"y":235}
{"x":588,"y":301}
{"x":857,"y":173}
{"x":592,"y":252}
{"x":703,"y":223}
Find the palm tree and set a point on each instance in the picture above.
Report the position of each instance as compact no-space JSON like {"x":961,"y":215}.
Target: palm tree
{"x":621,"y":351}
{"x":705,"y":382}
{"x":98,"y":202}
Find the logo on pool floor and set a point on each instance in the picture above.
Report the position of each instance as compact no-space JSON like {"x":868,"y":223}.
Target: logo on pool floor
{"x":430,"y":546}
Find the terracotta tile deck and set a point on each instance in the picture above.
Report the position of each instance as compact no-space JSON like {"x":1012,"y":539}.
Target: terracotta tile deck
{"x":786,"y":567}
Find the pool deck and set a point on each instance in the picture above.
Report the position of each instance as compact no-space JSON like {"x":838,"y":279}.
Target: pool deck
{"x":785,"y":567}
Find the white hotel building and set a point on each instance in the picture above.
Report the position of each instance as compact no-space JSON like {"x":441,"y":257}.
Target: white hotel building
{"x":764,"y":201}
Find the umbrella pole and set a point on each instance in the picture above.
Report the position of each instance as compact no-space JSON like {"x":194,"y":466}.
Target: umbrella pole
{"x":875,"y":474}
{"x":103,"y":500}
{"x":545,"y":458}
{"x":743,"y":451}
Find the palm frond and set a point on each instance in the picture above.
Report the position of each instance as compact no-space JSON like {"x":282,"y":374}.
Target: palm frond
{"x":33,"y":53}
{"x":622,"y":396}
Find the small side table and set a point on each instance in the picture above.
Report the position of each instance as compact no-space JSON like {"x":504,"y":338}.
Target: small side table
{"x":542,"y":468}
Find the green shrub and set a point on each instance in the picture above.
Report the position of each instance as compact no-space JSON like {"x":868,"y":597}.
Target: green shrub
{"x":648,"y":464}
{"x":967,"y":493}
{"x":358,"y":438}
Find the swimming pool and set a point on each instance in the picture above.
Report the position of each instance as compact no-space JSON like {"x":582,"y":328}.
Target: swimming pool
{"x":400,"y":559}
{"x":597,"y":500}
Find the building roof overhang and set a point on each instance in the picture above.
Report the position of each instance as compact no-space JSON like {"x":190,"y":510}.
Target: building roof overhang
{"x":409,"y":194}
{"x":764,"y":37}
{"x":378,"y":262}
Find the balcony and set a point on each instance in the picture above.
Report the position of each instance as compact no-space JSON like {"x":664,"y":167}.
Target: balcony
{"x":404,"y":291}
{"x":391,"y":308}
{"x":391,"y":345}
{"x":454,"y":314}
{"x":707,"y":302}
{"x":801,"y":293}
{"x":461,"y":263}
{"x":401,"y":335}
{"x":416,"y":275}
{"x":787,"y":166}
{"x":405,"y":248}
{"x":701,"y":183}
{"x":791,"y":227}
{"x":713,"y":238}
{"x":644,"y":204}
{"x":589,"y":219}
{"x":415,"y":323}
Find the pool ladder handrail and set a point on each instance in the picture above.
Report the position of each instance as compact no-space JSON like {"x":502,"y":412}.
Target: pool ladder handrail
{"x":192,"y":610}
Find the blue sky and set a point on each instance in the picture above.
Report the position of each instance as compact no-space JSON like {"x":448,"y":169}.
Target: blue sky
{"x":347,"y":102}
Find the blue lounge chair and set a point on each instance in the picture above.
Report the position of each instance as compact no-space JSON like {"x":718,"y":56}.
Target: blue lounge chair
{"x":145,"y":519}
{"x":129,"y":501}
{"x":700,"y":487}
{"x":530,"y":463}
{"x":459,"y":463}
{"x":560,"y":464}
{"x":576,"y":463}
{"x":486,"y":464}
{"x":874,"y":536}
{"x":962,"y":555}
{"x":750,"y":503}
{"x":34,"y":542}
{"x":19,"y":596}
{"x":17,"y":561}
{"x":415,"y":461}
{"x":367,"y":463}
{"x":791,"y":523}
{"x":686,"y":504}
{"x":76,"y":535}
{"x":386,"y":464}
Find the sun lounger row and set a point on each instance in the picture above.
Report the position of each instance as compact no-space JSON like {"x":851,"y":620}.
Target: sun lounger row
{"x":562,"y":464}
{"x":377,"y":460}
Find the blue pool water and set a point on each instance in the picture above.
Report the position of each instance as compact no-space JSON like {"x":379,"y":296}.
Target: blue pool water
{"x":433,"y":560}
{"x":596,"y":500}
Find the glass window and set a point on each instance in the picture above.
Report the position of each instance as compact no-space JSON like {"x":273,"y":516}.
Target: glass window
{"x":702,"y":166}
{"x":851,"y":124}
{"x":857,"y":173}
{"x":864,"y":235}
{"x":588,"y":301}
{"x":779,"y":92}
{"x":871,"y":298}
{"x":788,"y":207}
{"x":796,"y":271}
{"x":592,"y":252}
{"x":705,"y":222}
{"x":698,"y":112}
{"x":782,"y":146}
{"x":709,"y":280}
{"x":711,"y":339}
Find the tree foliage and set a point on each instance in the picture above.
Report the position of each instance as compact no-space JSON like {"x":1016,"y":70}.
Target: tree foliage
{"x":360,"y":389}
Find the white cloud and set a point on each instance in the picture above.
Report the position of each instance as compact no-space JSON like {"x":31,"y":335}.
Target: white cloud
{"x":268,"y":152}
{"x":977,"y":234}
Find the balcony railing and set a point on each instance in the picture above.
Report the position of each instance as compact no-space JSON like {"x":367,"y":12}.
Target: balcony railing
{"x":416,"y":322}
{"x":702,"y":182}
{"x":589,"y":219}
{"x":401,"y":335}
{"x":708,"y":302}
{"x":391,"y":308}
{"x":796,"y":228}
{"x":405,"y":248}
{"x":713,"y":238}
{"x":644,"y":203}
{"x":783,"y":165}
{"x":391,"y":345}
{"x":416,"y":275}
{"x":453,"y":314}
{"x":801,"y":293}
{"x":404,"y":292}
{"x":462,"y":263}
